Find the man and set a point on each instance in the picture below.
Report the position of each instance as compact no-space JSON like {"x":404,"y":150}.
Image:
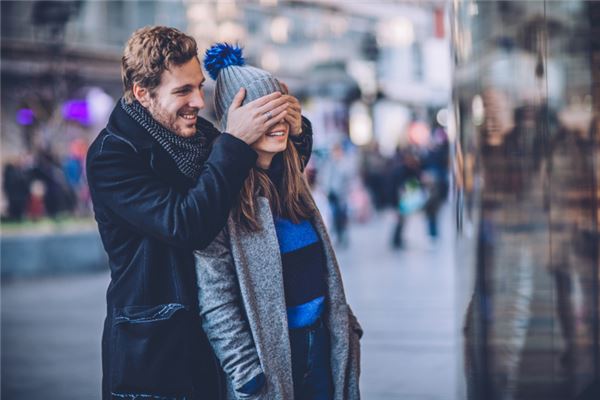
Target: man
{"x":162,"y":182}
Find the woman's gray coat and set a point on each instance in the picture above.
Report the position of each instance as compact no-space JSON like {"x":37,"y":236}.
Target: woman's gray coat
{"x":240,"y":284}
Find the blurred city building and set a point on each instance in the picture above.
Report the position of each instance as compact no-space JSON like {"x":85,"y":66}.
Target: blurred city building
{"x":527,"y":102}
{"x":364,"y":72}
{"x":60,"y":78}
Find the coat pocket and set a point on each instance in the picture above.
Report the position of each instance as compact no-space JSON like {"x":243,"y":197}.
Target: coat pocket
{"x":150,"y":353}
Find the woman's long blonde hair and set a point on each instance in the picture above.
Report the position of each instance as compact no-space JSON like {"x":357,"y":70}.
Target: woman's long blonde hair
{"x":291,"y":200}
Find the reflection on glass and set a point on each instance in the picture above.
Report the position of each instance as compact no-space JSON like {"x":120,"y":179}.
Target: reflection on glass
{"x":528,"y":143}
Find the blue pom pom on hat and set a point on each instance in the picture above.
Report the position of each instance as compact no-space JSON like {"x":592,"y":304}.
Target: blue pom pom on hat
{"x":225,"y":64}
{"x":222,"y":55}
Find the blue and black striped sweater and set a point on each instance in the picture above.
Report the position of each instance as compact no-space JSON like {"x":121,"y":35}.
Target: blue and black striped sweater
{"x":304,"y":263}
{"x":304,"y":269}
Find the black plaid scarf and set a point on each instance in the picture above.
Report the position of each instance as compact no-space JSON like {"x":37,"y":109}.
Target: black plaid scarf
{"x":188,"y":153}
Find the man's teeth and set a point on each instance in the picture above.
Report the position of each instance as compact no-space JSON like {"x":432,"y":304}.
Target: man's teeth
{"x":188,"y":116}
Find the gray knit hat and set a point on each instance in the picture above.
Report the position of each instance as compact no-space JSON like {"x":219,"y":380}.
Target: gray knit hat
{"x":225,"y":64}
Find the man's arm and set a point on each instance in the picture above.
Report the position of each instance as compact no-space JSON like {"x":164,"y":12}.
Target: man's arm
{"x":122,"y":181}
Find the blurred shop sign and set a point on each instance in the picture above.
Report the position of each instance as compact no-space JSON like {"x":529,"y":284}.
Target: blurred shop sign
{"x":77,"y":111}
{"x":94,"y":109}
{"x":25,"y":116}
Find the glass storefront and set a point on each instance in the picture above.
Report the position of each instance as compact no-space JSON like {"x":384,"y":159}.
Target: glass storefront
{"x":526,"y":99}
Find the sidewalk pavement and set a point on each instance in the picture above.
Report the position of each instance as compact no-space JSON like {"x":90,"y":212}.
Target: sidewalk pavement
{"x":51,"y":328}
{"x":405,"y":302}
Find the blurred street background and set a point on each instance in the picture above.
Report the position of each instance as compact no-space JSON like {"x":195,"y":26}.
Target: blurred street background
{"x":52,"y":326}
{"x":456,"y":161}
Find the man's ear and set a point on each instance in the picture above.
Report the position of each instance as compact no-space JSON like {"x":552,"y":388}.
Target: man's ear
{"x":141,"y":94}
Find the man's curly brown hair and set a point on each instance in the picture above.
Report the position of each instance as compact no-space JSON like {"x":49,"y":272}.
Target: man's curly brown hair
{"x":149,"y":52}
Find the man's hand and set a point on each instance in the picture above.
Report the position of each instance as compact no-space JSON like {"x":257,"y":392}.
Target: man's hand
{"x":294,"y":115}
{"x":251,"y":121}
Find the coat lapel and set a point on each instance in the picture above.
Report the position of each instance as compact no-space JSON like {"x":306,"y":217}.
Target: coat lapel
{"x":258,"y":265}
{"x":337,"y":318}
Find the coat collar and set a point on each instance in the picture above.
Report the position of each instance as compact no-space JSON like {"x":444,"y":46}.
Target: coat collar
{"x":258,"y":269}
{"x":120,"y":122}
{"x":262,"y":249}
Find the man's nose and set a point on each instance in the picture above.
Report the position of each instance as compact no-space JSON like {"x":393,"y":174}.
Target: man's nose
{"x":197,"y":100}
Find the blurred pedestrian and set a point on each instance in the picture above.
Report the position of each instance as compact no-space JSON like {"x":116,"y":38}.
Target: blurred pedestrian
{"x":59,"y":198}
{"x":435,"y":177}
{"x":408,"y":197}
{"x":360,"y":202}
{"x":35,"y":204}
{"x":74,"y":171}
{"x":336,"y":178}
{"x":163,"y":181}
{"x":319,"y":195}
{"x":373,"y":171}
{"x":16,"y":182}
{"x":270,"y":291}
{"x":569,"y":165}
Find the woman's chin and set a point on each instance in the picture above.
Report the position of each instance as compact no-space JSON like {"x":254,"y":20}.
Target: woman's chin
{"x":274,"y":149}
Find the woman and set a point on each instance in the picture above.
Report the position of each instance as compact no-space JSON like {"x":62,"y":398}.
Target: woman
{"x":269,"y":287}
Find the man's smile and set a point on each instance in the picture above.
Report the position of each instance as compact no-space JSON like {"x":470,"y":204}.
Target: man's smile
{"x":189,"y":115}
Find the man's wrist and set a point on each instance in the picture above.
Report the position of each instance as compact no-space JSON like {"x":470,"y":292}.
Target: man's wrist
{"x":239,"y":143}
{"x":238,"y":137}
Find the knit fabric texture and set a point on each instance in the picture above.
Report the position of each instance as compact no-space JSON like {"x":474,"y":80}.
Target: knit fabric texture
{"x":257,"y":82}
{"x":189,"y":153}
{"x":304,"y":269}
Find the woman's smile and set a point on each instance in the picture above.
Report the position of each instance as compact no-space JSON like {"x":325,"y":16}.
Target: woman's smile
{"x":280,"y":134}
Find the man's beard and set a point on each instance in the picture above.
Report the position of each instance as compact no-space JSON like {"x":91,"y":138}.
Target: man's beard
{"x":163,"y":117}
